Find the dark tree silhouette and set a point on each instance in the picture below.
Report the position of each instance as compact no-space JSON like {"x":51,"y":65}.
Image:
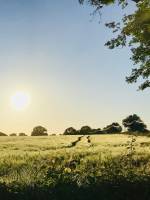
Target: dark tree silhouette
{"x":22,"y":134}
{"x":96,"y":131}
{"x":3,"y":134}
{"x":113,"y":128}
{"x":39,"y":131}
{"x":85,"y":130}
{"x":13,"y":134}
{"x":133,"y":31}
{"x":70,"y":131}
{"x":134,"y":123}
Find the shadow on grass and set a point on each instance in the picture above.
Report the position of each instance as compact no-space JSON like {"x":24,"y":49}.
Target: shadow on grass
{"x":103,"y":191}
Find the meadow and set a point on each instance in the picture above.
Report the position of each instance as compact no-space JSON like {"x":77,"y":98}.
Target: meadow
{"x":110,"y":166}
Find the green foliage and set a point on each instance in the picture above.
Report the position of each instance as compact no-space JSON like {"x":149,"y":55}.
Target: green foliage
{"x":70,"y":131}
{"x":96,"y":131}
{"x":133,"y":31}
{"x":39,"y":131}
{"x":100,"y":3}
{"x":113,"y":128}
{"x":134,"y":123}
{"x":85,"y":130}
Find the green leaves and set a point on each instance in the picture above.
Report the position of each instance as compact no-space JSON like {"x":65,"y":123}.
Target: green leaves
{"x":133,"y":31}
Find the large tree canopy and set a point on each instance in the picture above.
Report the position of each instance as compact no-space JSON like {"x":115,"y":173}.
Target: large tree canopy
{"x":133,"y":31}
{"x":134,"y":124}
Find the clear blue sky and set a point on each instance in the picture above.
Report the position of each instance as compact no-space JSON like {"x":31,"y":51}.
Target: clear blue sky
{"x":54,"y":50}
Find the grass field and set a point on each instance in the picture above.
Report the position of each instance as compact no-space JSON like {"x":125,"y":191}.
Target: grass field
{"x":114,"y":144}
{"x":69,"y":167}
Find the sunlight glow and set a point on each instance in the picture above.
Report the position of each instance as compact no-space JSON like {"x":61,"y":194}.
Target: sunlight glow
{"x":20,"y":100}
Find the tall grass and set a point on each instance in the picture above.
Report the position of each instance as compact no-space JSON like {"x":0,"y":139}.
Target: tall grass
{"x":84,"y":171}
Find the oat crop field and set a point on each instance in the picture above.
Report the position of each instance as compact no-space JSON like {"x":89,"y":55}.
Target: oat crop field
{"x":114,"y":144}
{"x":61,"y":167}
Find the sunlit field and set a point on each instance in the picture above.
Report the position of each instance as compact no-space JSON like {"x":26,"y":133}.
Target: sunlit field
{"x":72,"y":125}
{"x":53,"y":166}
{"x":113,"y":144}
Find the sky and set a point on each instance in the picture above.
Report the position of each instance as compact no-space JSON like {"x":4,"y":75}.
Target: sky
{"x":54,"y":51}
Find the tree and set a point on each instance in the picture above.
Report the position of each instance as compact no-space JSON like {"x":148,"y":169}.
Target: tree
{"x":96,"y":131}
{"x":70,"y":131}
{"x":2,"y":134}
{"x":85,"y":130}
{"x":39,"y":131}
{"x":133,"y":31}
{"x":22,"y":134}
{"x":13,"y":134}
{"x":134,"y":124}
{"x":113,"y":128}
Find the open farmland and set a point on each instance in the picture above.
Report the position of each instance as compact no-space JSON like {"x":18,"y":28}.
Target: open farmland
{"x":100,"y":144}
{"x":68,"y":167}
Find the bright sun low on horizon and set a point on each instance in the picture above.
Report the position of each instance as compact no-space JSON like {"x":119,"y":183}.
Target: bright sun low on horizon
{"x":20,"y":100}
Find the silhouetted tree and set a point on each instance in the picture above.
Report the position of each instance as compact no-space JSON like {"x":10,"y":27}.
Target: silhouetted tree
{"x":95,"y":131}
{"x":70,"y":131}
{"x":3,"y":134}
{"x":13,"y":134}
{"x":53,"y":134}
{"x":39,"y":131}
{"x":85,"y":130}
{"x":22,"y":134}
{"x":134,"y":123}
{"x":113,"y":128}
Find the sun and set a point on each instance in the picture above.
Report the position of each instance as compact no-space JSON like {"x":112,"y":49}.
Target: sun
{"x":20,"y":100}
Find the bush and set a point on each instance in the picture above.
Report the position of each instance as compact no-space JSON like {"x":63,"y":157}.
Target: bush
{"x":39,"y":131}
{"x":134,"y":124}
{"x":113,"y":128}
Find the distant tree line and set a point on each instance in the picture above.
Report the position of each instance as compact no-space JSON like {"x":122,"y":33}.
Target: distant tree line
{"x":13,"y":134}
{"x":37,"y":131}
{"x":132,"y":123}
